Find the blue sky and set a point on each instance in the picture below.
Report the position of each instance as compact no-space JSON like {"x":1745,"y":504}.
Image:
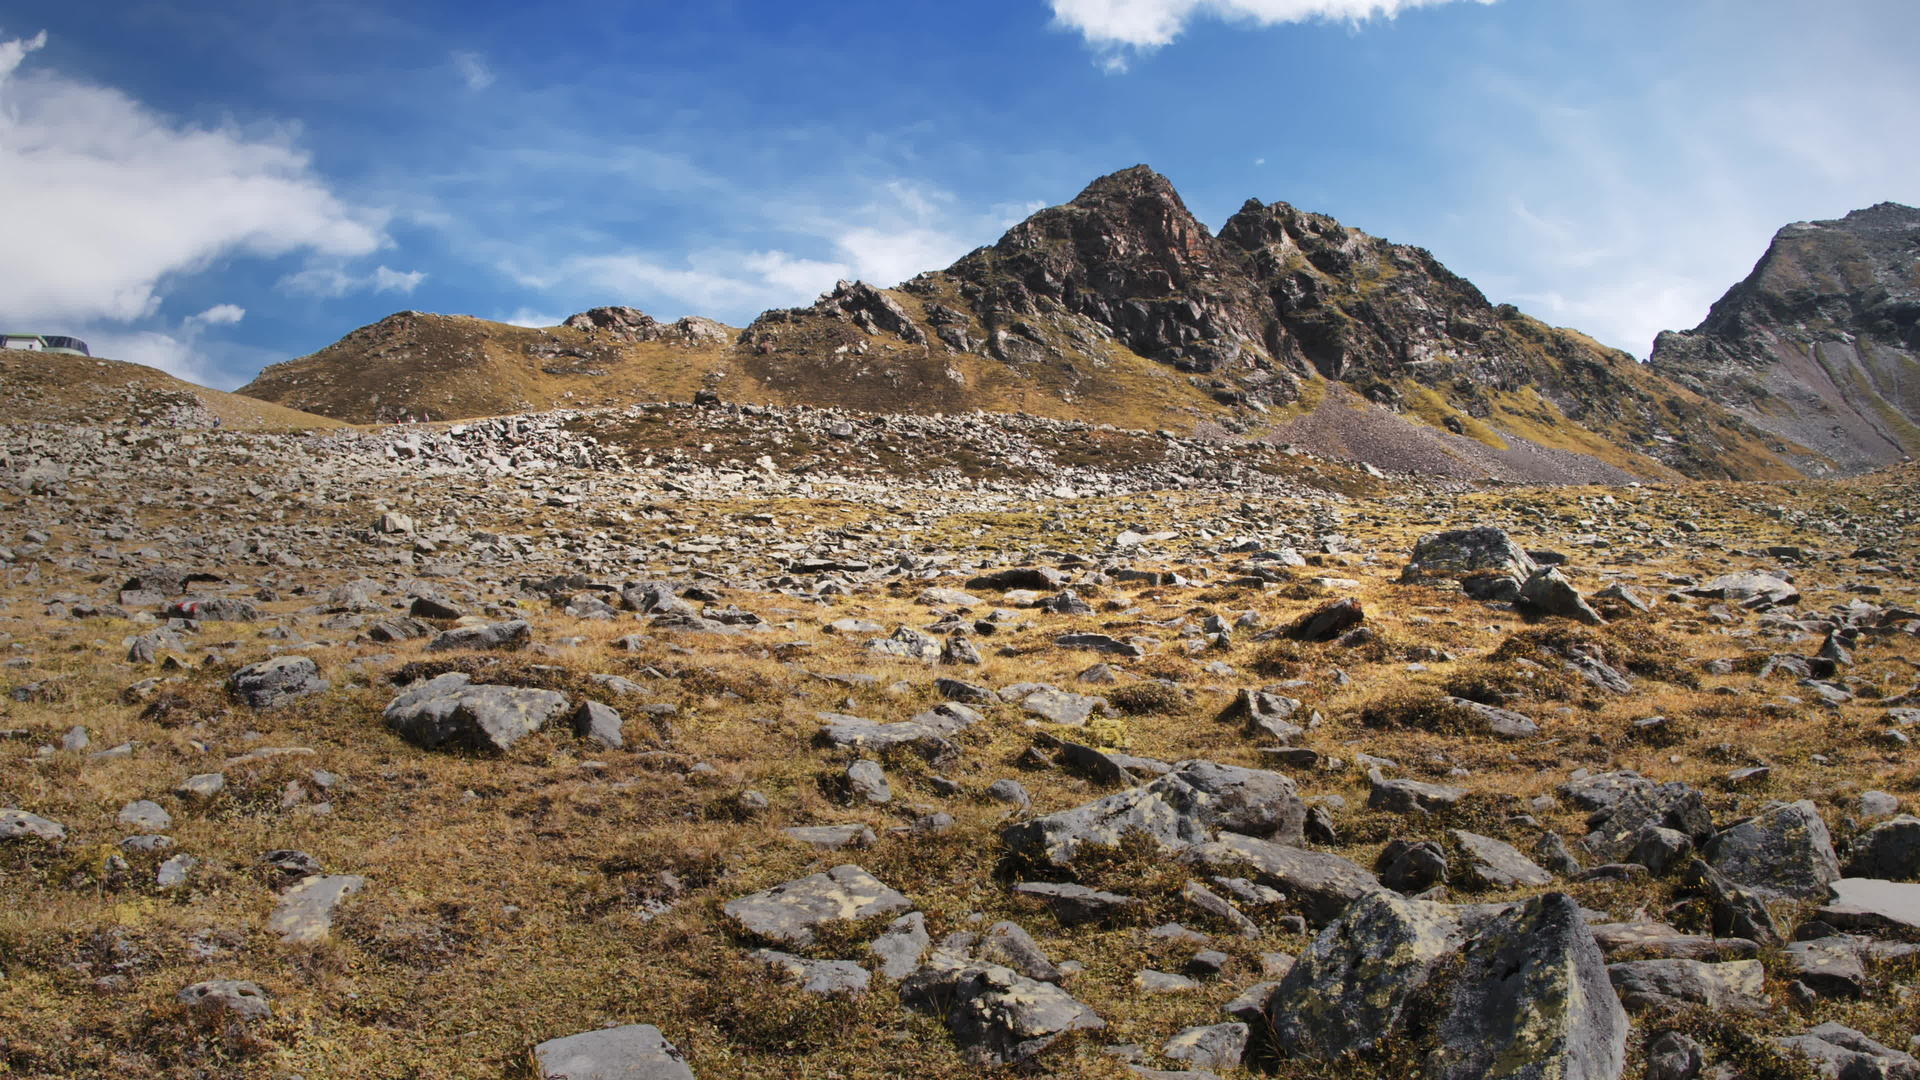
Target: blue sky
{"x":214,"y":186}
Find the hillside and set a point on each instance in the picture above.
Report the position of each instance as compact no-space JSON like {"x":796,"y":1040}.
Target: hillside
{"x":57,"y":388}
{"x":1118,"y":307}
{"x":1820,"y":345}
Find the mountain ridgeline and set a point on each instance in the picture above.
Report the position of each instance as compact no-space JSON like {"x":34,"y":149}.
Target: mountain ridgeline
{"x":1820,"y":345}
{"x":1121,"y":307}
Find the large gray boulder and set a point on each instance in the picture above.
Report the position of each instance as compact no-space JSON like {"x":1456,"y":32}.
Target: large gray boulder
{"x":305,"y":912}
{"x":451,"y":712}
{"x":1872,"y":906}
{"x":274,"y":682}
{"x":1637,"y":805}
{"x":1531,"y":1002}
{"x":1496,"y":864}
{"x":996,"y":1015}
{"x":1548,"y":592}
{"x":793,"y":912}
{"x":865,"y":736}
{"x":1460,"y":553}
{"x":1785,"y":851}
{"x":1189,"y":805}
{"x":633,"y":1052}
{"x":237,"y":997}
{"x":1347,"y":991}
{"x":1889,"y":850}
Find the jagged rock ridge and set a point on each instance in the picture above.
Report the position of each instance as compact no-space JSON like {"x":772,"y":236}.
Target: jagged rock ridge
{"x":1820,"y":345}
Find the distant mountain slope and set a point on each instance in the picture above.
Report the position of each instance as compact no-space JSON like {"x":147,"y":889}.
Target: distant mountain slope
{"x":1118,"y":307}
{"x":56,"y":388}
{"x":1820,"y":345}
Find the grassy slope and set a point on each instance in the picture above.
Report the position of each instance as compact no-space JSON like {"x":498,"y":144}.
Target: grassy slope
{"x":59,"y":388}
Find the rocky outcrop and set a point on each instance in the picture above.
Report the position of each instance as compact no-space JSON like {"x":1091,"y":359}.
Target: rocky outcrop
{"x":1820,"y":345}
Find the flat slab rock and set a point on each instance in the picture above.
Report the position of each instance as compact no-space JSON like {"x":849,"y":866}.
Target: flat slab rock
{"x":1187,"y":806}
{"x":792,"y":912}
{"x":633,"y":1052}
{"x":305,"y":912}
{"x":1870,"y":904}
{"x":996,"y":1015}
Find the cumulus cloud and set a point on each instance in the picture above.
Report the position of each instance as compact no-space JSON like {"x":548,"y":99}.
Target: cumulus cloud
{"x":219,"y":315}
{"x":1118,"y":27}
{"x":473,"y":70}
{"x":530,"y":318}
{"x":330,"y":281}
{"x":902,"y":230}
{"x":113,"y":199}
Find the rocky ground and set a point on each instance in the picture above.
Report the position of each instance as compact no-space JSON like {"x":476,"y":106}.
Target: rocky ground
{"x":675,"y":742}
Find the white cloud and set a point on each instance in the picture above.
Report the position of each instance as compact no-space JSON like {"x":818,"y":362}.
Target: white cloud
{"x":529,"y":317}
{"x":330,"y":281}
{"x":902,"y":230}
{"x":219,"y":315}
{"x":473,"y":70}
{"x":113,"y":198}
{"x":1117,"y":26}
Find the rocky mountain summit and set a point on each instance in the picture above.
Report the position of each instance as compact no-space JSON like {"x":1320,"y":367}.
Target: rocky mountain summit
{"x":1118,"y":307}
{"x":730,"y":740}
{"x":1820,"y":345}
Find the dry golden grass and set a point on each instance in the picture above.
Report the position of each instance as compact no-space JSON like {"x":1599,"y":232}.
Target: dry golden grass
{"x":508,"y":896}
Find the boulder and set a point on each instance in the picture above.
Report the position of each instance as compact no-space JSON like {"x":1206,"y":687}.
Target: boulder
{"x":865,"y":736}
{"x":275,"y":682}
{"x":1748,"y":589}
{"x":1889,"y":850}
{"x":1495,"y":864}
{"x":1187,"y":806}
{"x":19,"y":825}
{"x":1460,"y":553}
{"x":1215,"y":1045}
{"x":996,"y":1015}
{"x":1784,"y":851}
{"x":1871,"y":905}
{"x":1841,"y":1052}
{"x":821,"y":978}
{"x":305,"y":912}
{"x":513,"y":634}
{"x":1347,"y":991}
{"x":1532,"y":1001}
{"x":599,"y":723}
{"x":633,"y":1052}
{"x":1548,"y":592}
{"x":1322,"y":884}
{"x":1734,"y":986}
{"x":792,"y":912}
{"x":902,"y":945}
{"x":451,"y":712}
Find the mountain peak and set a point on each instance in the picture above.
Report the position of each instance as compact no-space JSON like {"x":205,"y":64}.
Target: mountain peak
{"x":1131,"y":183}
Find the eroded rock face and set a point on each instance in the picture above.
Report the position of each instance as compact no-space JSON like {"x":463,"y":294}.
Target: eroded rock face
{"x":1818,"y":344}
{"x":1188,"y":806}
